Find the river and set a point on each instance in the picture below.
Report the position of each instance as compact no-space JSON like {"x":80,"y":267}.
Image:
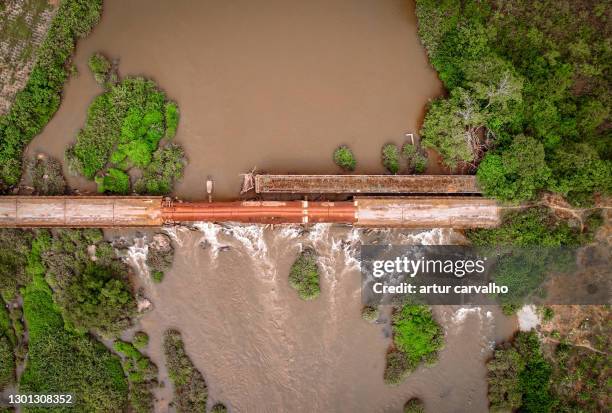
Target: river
{"x":277,"y":85}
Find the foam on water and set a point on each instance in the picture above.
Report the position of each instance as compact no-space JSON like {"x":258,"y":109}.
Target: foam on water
{"x":137,"y":257}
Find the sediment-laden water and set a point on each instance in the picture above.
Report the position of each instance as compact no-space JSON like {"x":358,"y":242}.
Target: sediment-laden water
{"x":272,"y":84}
{"x":262,"y":349}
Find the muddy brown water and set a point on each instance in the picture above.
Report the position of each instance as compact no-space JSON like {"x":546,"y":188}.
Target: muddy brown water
{"x":274,"y":84}
{"x":262,"y":349}
{"x":277,"y":85}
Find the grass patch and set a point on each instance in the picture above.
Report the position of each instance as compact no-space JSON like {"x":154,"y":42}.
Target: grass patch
{"x":304,"y":275}
{"x":34,"y":106}
{"x":123,"y":130}
{"x":417,"y":338}
{"x":190,"y":390}
{"x":344,"y":158}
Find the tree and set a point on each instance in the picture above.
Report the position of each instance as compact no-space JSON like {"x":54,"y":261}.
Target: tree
{"x":344,"y":158}
{"x":518,"y":173}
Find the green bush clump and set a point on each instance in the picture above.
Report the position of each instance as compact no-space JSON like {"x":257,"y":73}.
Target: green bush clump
{"x":529,"y":95}
{"x":391,"y":158}
{"x":141,"y":340}
{"x":344,"y":158}
{"x":520,"y":377}
{"x":369,"y":313}
{"x":165,"y":169}
{"x":115,"y":181}
{"x":417,"y":161}
{"x":172,"y":119}
{"x":304,"y":275}
{"x":123,"y":130}
{"x":417,"y":338}
{"x":34,"y":106}
{"x":141,"y":374}
{"x":414,"y":405}
{"x":92,"y":295}
{"x":190,"y":390}
{"x":60,"y":361}
{"x":100,"y":66}
{"x":160,"y":256}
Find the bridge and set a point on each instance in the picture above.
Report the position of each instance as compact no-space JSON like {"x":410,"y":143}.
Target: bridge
{"x":138,"y":211}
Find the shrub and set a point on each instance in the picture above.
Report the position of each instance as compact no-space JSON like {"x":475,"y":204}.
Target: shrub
{"x":369,"y":313}
{"x":344,"y":158}
{"x":304,"y":275}
{"x":417,"y":338}
{"x":166,"y":168}
{"x":141,"y":340}
{"x":141,"y":374}
{"x":100,"y":67}
{"x":34,"y":106}
{"x":157,"y":276}
{"x":115,"y":181}
{"x":14,"y":248}
{"x":390,"y":158}
{"x":414,"y":405}
{"x":46,"y":176}
{"x":190,"y":390}
{"x":160,"y":256}
{"x":417,"y":161}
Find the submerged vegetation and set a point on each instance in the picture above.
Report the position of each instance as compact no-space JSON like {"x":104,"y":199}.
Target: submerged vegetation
{"x":34,"y":106}
{"x":417,"y":338}
{"x":124,"y":130}
{"x":529,"y":94}
{"x":304,"y":275}
{"x":414,"y":406}
{"x":190,"y":390}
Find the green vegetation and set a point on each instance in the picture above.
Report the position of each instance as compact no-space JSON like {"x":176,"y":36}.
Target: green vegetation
{"x":528,"y":94}
{"x":61,"y":361}
{"x":100,"y":67}
{"x":417,"y":338}
{"x":14,"y":247}
{"x":92,"y":295}
{"x":141,"y":340}
{"x":123,"y":130}
{"x":172,"y":118}
{"x":519,"y":377}
{"x":304,"y":275}
{"x":190,"y":390}
{"x":46,"y":176}
{"x":369,"y":313}
{"x":524,"y":269}
{"x":417,"y":161}
{"x":7,"y":343}
{"x":344,"y":158}
{"x":391,"y":158}
{"x":160,"y":256}
{"x":414,"y":405}
{"x":141,"y":374}
{"x":34,"y":106}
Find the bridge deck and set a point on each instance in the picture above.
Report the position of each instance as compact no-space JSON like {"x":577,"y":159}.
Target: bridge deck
{"x":366,"y":184}
{"x":80,"y":211}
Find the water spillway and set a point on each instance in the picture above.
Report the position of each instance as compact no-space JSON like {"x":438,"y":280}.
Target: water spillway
{"x":138,"y":211}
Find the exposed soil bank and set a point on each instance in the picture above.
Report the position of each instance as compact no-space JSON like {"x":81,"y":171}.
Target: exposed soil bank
{"x":262,"y":349}
{"x":275,"y":84}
